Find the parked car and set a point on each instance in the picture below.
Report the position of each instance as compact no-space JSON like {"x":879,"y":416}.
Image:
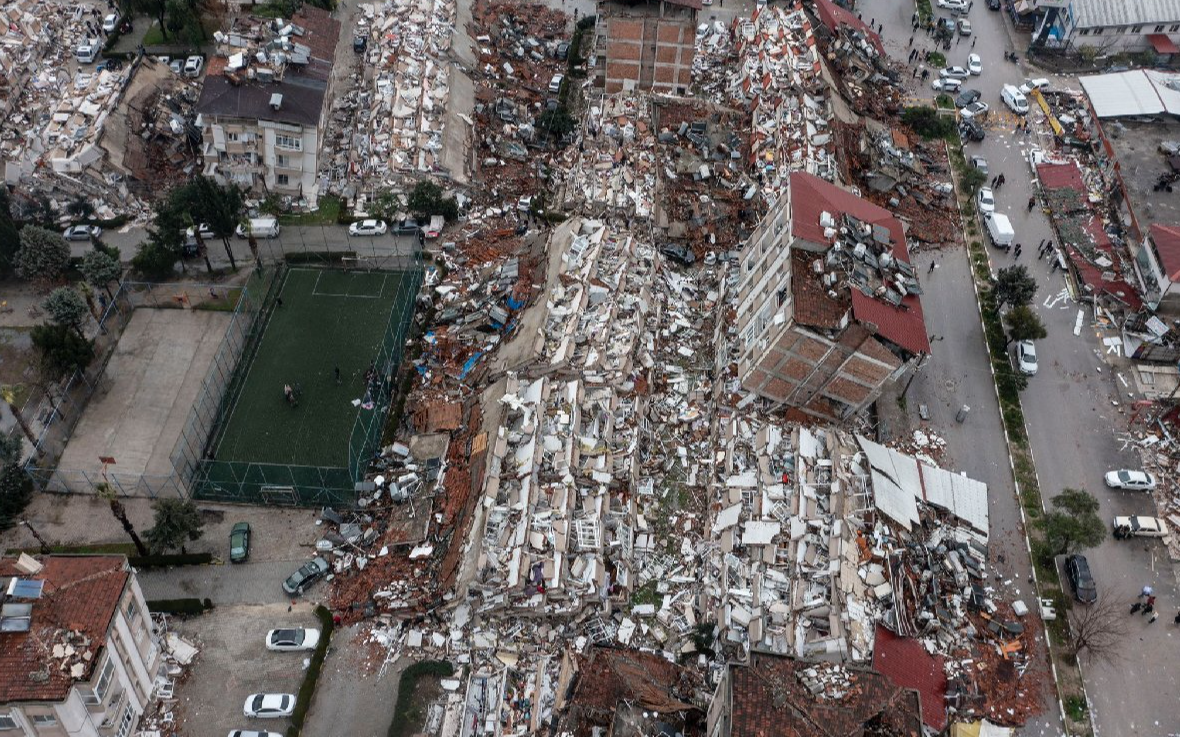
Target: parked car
{"x":1040,"y":83}
{"x":359,"y":44}
{"x":956,"y":72}
{"x":408,"y":227}
{"x":679,"y":253}
{"x":269,"y":705}
{"x":1026,"y":357}
{"x":252,"y":733}
{"x":1137,"y":526}
{"x":368,"y":228}
{"x":296,"y":638}
{"x":555,"y":83}
{"x":986,"y":200}
{"x":970,"y":130}
{"x":960,"y":5}
{"x":966,"y":97}
{"x":562,"y":51}
{"x":1132,"y":480}
{"x":964,"y":27}
{"x":975,"y":64}
{"x":204,"y":228}
{"x":111,"y":22}
{"x":993,"y":4}
{"x":239,"y":542}
{"x":975,"y":110}
{"x":82,"y":232}
{"x":978,"y":162}
{"x":946,"y":84}
{"x":305,"y":576}
{"x":1077,"y":570}
{"x":176,"y":65}
{"x":193,"y":66}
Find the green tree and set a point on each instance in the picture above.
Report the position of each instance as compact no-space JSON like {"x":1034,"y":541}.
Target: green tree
{"x":8,"y":393}
{"x":100,"y":269}
{"x":62,"y":350}
{"x":66,"y":307}
{"x":153,"y":8}
{"x":9,"y":235}
{"x":427,"y":199}
{"x":177,"y":521}
{"x":927,"y":122}
{"x":972,"y":180}
{"x":1014,"y":286}
{"x":386,"y":204}
{"x":11,"y":449}
{"x":155,"y":260}
{"x":1072,"y":524}
{"x":206,"y":201}
{"x":43,"y":254}
{"x":557,"y":122}
{"x":1024,"y":324}
{"x":107,"y":493}
{"x":16,"y":491}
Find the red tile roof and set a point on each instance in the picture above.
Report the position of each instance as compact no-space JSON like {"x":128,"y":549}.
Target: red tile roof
{"x":608,"y":678}
{"x":907,"y":664}
{"x":904,"y":325}
{"x":768,"y":700}
{"x":1061,"y":176}
{"x":81,"y":593}
{"x":1167,"y":244}
{"x":833,"y":16}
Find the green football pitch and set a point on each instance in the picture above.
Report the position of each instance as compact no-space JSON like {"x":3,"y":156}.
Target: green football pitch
{"x":322,"y":320}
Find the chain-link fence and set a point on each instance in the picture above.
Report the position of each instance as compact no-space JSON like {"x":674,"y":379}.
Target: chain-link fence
{"x":314,"y":245}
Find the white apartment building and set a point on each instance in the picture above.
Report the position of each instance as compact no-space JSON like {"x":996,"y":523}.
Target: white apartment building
{"x":78,"y":654}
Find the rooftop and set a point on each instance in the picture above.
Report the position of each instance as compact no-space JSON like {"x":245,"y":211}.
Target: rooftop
{"x":79,"y":598}
{"x":1091,"y":13}
{"x":907,"y":664}
{"x":1167,"y":245}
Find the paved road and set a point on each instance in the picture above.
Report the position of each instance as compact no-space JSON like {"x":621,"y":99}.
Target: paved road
{"x":245,"y":583}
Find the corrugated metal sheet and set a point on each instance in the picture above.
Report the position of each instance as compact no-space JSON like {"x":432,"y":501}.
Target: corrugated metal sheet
{"x":1094,"y":13}
{"x":963,"y":497}
{"x":1122,"y":94}
{"x":896,"y":482}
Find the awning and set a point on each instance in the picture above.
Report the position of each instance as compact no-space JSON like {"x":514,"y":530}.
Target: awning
{"x":1162,"y":44}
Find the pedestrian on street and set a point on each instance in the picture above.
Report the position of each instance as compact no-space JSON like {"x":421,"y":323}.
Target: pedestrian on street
{"x":1136,"y":607}
{"x":1148,"y":609}
{"x":278,"y":301}
{"x":915,"y":74}
{"x":1154,"y":616}
{"x":336,"y":370}
{"x":1042,"y":246}
{"x":1002,"y":180}
{"x":1150,"y":604}
{"x":969,"y":4}
{"x":925,"y":74}
{"x":1177,"y":619}
{"x":910,"y":45}
{"x":1032,"y":202}
{"x":973,"y":40}
{"x":1146,"y":592}
{"x":927,"y":56}
{"x":958,"y":40}
{"x":994,"y":180}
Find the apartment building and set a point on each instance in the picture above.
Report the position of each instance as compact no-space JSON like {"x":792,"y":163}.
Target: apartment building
{"x":264,"y":107}
{"x":1111,"y":26}
{"x":78,"y":654}
{"x":828,"y":304}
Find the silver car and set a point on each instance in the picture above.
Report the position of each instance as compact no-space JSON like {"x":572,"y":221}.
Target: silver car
{"x":1026,"y":357}
{"x":269,"y":705}
{"x":82,"y":232}
{"x":1133,"y":480}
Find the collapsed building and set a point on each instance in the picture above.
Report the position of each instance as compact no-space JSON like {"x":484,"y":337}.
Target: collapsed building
{"x":649,"y":45}
{"x":264,"y":104}
{"x":828,"y":304}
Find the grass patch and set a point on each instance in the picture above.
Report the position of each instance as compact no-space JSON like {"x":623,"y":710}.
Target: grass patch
{"x":127,"y":549}
{"x":327,"y":214}
{"x":312,"y":676}
{"x":1075,"y":707}
{"x":225,"y":303}
{"x":407,"y":717}
{"x":937,"y":60}
{"x":154,"y":36}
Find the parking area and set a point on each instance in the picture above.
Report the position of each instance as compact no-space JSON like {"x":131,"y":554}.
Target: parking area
{"x":234,"y":663}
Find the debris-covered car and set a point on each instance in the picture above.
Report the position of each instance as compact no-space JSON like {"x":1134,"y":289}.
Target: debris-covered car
{"x":679,"y":253}
{"x":308,"y":574}
{"x":1136,"y":526}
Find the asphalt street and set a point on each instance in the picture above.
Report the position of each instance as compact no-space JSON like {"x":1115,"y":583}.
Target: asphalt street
{"x":243,"y":583}
{"x":1073,"y":406}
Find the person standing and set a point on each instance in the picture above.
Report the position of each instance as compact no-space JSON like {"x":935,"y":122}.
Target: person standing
{"x":1032,"y":202}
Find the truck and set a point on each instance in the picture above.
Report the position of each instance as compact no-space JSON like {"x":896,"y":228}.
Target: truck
{"x":999,"y":229}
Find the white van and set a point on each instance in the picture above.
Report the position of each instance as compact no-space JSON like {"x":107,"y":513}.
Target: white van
{"x":260,"y":227}
{"x":1014,"y":99}
{"x":87,"y":51}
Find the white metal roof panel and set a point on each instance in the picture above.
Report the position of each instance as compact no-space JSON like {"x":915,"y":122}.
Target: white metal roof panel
{"x":963,"y":497}
{"x":1167,"y":86}
{"x":1095,"y":13}
{"x":1122,"y":94}
{"x":895,"y":482}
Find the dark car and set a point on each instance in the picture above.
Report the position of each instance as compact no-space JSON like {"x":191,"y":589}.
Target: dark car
{"x":993,"y":4}
{"x":562,"y":51}
{"x":971,"y":131}
{"x":678,"y":253}
{"x":1077,"y":570}
{"x":966,"y":97}
{"x":407,"y":227}
{"x":305,"y":576}
{"x":359,"y":44}
{"x":239,"y":542}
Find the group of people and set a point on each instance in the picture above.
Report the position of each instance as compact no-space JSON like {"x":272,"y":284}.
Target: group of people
{"x":291,"y":394}
{"x":1145,"y":605}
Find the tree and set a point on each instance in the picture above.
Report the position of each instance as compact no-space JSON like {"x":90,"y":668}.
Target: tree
{"x":8,"y":393}
{"x":16,"y":491}
{"x":386,"y":205}
{"x":63,"y":351}
{"x":9,"y":235}
{"x":153,"y":8}
{"x":66,"y":307}
{"x":100,"y":269}
{"x":11,"y":449}
{"x":427,"y":199}
{"x":557,"y":122}
{"x":1014,"y":286}
{"x":1024,"y":324}
{"x":177,"y":521}
{"x":107,"y":493}
{"x":927,"y":122}
{"x":155,"y":260}
{"x":1073,"y":523}
{"x":206,"y":201}
{"x":972,"y":180}
{"x":80,"y":208}
{"x":1098,"y":630}
{"x":43,"y":254}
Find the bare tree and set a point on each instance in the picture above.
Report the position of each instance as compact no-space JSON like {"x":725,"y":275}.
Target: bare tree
{"x":1099,"y":629}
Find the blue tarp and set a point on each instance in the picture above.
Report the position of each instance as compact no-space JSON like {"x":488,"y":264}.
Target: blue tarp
{"x":470,"y":365}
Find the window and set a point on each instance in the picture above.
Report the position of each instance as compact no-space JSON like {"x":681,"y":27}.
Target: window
{"x":283,"y":140}
{"x":283,"y":161}
{"x":88,"y":695}
{"x":1158,"y":29}
{"x":103,"y":684}
{"x":282,"y":180}
{"x":132,"y":610}
{"x":1098,"y":31}
{"x":1137,"y":29}
{"x":44,"y":720}
{"x":125,"y":723}
{"x":231,"y":137}
{"x":1084,"y":32}
{"x":7,"y":721}
{"x":1174,"y":28}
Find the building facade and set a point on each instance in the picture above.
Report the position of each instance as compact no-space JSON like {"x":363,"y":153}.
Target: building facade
{"x":263,"y":122}
{"x":1111,"y":27}
{"x":650,"y":46}
{"x":78,"y":653}
{"x":828,"y":308}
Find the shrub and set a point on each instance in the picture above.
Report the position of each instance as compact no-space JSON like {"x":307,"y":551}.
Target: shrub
{"x":927,"y":122}
{"x":312,"y":677}
{"x":43,"y":254}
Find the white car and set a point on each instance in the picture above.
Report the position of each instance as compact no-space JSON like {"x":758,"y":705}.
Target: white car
{"x":1133,"y":480}
{"x":1040,"y":83}
{"x":296,"y":638}
{"x":986,"y":200}
{"x":368,"y":227}
{"x":176,"y":65}
{"x":110,"y":23}
{"x":964,"y":27}
{"x":1139,"y":527}
{"x":975,"y":64}
{"x":269,"y":705}
{"x":974,"y":110}
{"x":205,"y":230}
{"x":946,"y":84}
{"x":82,"y":232}
{"x":252,"y":733}
{"x":193,"y":66}
{"x":953,"y":4}
{"x":955,"y":73}
{"x":1026,"y":357}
